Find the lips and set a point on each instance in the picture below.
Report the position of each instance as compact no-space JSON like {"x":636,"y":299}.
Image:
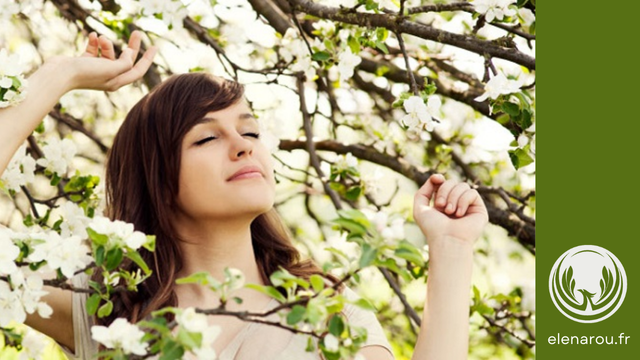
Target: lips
{"x":246,"y":172}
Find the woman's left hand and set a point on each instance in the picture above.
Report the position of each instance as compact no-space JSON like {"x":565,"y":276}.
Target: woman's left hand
{"x":457,"y":211}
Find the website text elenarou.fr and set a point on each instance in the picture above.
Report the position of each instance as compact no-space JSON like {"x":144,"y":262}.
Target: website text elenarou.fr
{"x":588,"y":340}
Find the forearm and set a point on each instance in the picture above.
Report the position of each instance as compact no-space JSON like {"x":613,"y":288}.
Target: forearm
{"x":45,"y":88}
{"x":444,"y":333}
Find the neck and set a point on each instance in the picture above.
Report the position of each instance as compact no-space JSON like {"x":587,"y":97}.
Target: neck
{"x":213,"y":246}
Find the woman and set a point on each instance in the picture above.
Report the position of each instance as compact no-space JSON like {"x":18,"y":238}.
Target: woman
{"x":187,"y":165}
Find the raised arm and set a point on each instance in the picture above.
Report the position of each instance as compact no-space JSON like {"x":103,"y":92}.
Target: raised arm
{"x":97,"y":68}
{"x":451,"y":215}
{"x":451,"y":225}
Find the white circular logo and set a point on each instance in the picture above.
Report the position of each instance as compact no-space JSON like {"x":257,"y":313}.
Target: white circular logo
{"x":587,"y":283}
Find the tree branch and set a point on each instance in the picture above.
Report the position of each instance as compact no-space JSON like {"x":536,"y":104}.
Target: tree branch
{"x":522,"y":231}
{"x":399,"y":24}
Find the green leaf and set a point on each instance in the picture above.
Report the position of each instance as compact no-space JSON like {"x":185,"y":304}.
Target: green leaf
{"x":601,"y":287}
{"x":317,"y":282}
{"x":354,"y":193}
{"x":364,"y":304}
{"x":158,"y":324}
{"x":525,"y":119}
{"x":314,"y":312}
{"x":268,"y":290}
{"x":105,"y":309}
{"x":503,"y":119}
{"x":151,"y":243}
{"x":296,"y":314}
{"x":136,"y":258}
{"x":336,"y":325}
{"x":191,"y":340}
{"x":520,"y":158}
{"x":382,"y":33}
{"x":171,"y":351}
{"x":511,"y":109}
{"x":407,"y":251}
{"x":353,"y":44}
{"x":350,"y":226}
{"x":100,"y":251}
{"x":605,"y":275}
{"x":202,"y":278}
{"x":321,"y":56}
{"x":368,"y":255}
{"x":114,"y":258}
{"x":92,"y":304}
{"x":40,"y":129}
{"x":382,"y":46}
{"x":96,"y":238}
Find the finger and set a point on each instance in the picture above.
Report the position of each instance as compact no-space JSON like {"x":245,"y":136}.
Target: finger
{"x":137,"y":71}
{"x":134,"y":43}
{"x":92,"y":45}
{"x":454,"y":196}
{"x":106,"y":48}
{"x":467,"y":199}
{"x":430,"y":186}
{"x":443,"y":193}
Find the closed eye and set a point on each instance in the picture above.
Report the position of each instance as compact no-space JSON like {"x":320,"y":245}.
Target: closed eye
{"x":253,"y":135}
{"x":205,"y":140}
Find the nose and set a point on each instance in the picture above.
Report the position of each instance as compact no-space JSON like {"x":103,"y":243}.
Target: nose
{"x":240,"y":146}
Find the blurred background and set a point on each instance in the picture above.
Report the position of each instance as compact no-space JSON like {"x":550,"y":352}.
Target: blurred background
{"x":350,"y":64}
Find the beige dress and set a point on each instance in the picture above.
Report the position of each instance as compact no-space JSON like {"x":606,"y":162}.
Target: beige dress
{"x":253,"y":342}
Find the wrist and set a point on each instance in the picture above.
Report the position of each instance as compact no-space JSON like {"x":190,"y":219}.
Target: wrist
{"x":450,"y":244}
{"x":57,"y":71}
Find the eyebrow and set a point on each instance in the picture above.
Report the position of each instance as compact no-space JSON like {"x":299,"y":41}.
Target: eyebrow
{"x":208,"y":119}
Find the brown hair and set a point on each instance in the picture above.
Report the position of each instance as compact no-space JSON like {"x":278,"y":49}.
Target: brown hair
{"x":142,"y":183}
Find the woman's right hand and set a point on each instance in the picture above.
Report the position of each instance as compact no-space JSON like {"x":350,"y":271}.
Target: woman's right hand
{"x":99,"y":69}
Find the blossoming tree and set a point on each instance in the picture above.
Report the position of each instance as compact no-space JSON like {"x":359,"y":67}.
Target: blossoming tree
{"x":360,"y":102}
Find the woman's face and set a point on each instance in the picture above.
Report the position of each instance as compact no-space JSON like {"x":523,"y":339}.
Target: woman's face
{"x":225,"y":144}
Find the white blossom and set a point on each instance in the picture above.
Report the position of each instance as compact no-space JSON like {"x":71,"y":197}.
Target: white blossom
{"x":268,"y":137}
{"x":294,"y":48}
{"x":8,"y":8}
{"x":325,"y":27}
{"x":494,"y":9}
{"x":121,"y":335}
{"x":343,"y":162}
{"x":10,"y":65}
{"x":173,"y":11}
{"x":8,"y":253}
{"x":331,"y":343}
{"x":371,"y":181}
{"x":20,"y":170}
{"x":499,"y":85}
{"x":527,"y":16}
{"x":420,"y":115}
{"x":33,"y":345}
{"x":347,"y":61}
{"x":67,"y":254}
{"x":75,"y":221}
{"x":389,"y":229}
{"x":28,"y":286}
{"x":11,"y":308}
{"x":119,"y":232}
{"x":58,"y":155}
{"x":191,"y":321}
{"x":235,"y":279}
{"x":11,"y":68}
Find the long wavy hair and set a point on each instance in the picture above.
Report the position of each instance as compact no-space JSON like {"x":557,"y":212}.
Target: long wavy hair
{"x":142,"y":184}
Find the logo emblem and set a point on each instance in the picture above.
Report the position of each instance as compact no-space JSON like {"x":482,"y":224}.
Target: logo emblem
{"x":587,"y":283}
